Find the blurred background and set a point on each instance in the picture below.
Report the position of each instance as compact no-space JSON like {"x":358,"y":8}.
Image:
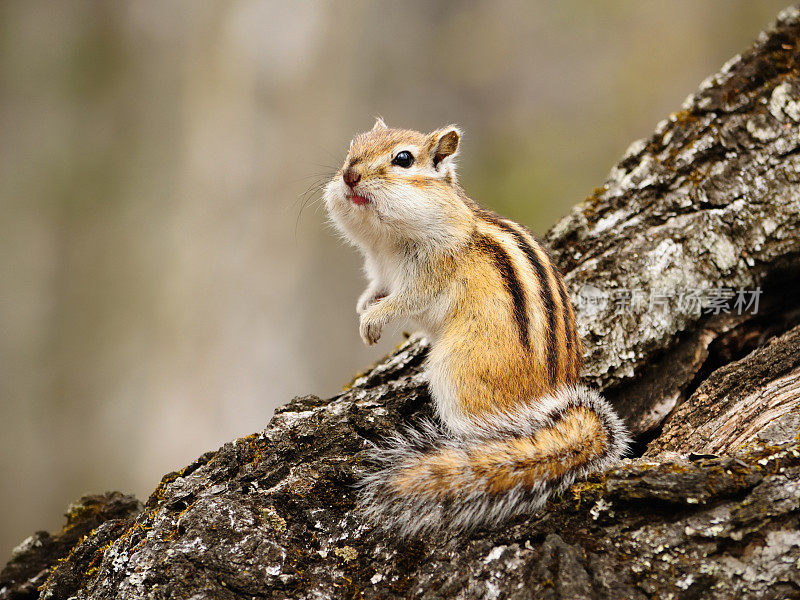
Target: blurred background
{"x":166,"y":274}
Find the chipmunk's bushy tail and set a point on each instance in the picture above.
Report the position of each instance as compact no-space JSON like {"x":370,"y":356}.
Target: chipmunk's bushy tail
{"x":429,"y":481}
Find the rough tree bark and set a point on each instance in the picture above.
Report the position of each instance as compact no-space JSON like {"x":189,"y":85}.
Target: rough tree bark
{"x":711,"y":200}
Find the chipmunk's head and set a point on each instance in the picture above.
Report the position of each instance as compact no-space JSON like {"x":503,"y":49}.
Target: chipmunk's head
{"x":398,"y":185}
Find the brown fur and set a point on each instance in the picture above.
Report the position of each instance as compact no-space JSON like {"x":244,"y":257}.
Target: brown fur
{"x":373,"y":145}
{"x":495,"y":370}
{"x":502,"y":465}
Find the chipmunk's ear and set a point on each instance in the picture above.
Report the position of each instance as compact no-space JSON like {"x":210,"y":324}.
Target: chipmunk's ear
{"x":444,"y":143}
{"x":379,"y":124}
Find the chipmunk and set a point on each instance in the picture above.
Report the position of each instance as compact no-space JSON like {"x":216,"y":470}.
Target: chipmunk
{"x":504,"y":358}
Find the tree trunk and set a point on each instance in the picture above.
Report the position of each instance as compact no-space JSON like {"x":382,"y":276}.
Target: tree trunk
{"x":709,"y":204}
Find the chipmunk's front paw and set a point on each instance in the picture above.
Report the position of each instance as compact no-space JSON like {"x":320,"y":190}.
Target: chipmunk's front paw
{"x":367,"y":299}
{"x":370,"y":327}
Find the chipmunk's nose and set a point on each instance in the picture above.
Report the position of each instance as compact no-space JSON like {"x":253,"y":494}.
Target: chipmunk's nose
{"x":351,"y":176}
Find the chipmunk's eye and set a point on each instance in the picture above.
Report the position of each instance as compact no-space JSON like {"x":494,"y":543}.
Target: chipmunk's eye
{"x":403,"y":159}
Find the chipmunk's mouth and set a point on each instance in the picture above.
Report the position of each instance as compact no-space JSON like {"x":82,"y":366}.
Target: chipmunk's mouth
{"x":358,"y":200}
